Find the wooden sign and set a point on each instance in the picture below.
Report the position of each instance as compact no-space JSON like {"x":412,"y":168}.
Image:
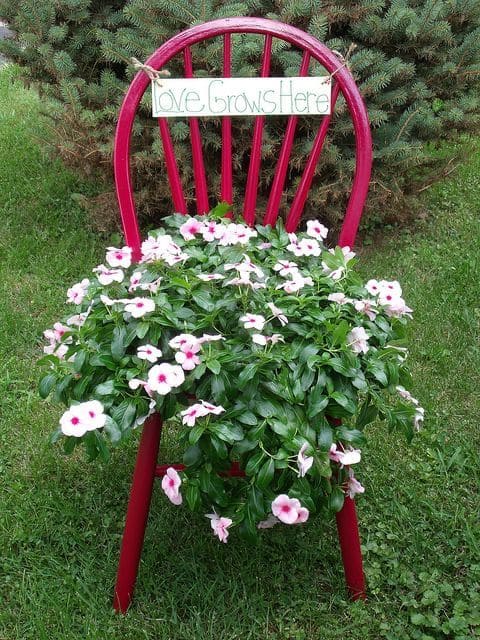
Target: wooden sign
{"x":240,"y":96}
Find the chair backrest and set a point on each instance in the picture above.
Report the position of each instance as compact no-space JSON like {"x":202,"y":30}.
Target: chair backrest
{"x":311,"y":48}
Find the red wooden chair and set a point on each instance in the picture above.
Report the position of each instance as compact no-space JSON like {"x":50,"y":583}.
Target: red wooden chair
{"x":146,"y":468}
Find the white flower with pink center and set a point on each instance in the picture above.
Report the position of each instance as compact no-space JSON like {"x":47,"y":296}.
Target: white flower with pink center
{"x":211,"y":408}
{"x":285,"y":268}
{"x":184,"y":340}
{"x":373,"y":287}
{"x":55,"y":334}
{"x":108,"y":302}
{"x":289,"y":510}
{"x":106,"y":276}
{"x":345,"y":457}
{"x":368,"y":307}
{"x":395,"y":306}
{"x":77,"y":292}
{"x":339,"y":298}
{"x":135,"y":280}
{"x":304,"y":463}
{"x":193,"y":412}
{"x":119,"y":257}
{"x":212,"y":231}
{"x":315,"y":229}
{"x":78,"y":319}
{"x":190,"y":228}
{"x":262,"y":340}
{"x":187,"y":356}
{"x":207,"y":337}
{"x":278,"y":314}
{"x":308,"y":247}
{"x":245,"y":268}
{"x":208,"y":277}
{"x":138,"y":307}
{"x":149,"y":352}
{"x":358,"y":340}
{"x":353,"y":485}
{"x":171,"y":483}
{"x":219,"y":525}
{"x":297,"y":283}
{"x":393,"y":287}
{"x":253,"y":321}
{"x":334,"y":274}
{"x":162,"y":378}
{"x":83,"y":417}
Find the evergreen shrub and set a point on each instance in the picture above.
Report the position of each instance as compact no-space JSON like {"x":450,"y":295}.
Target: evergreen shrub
{"x":416,"y":63}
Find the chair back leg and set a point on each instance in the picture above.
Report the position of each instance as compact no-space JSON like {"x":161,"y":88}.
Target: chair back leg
{"x":348,"y":535}
{"x":137,"y":513}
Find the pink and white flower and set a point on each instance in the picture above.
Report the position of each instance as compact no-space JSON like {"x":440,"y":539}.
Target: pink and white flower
{"x":298,"y":282}
{"x":135,"y":280}
{"x":184,"y":340}
{"x":304,"y":463}
{"x":358,"y":340}
{"x":315,"y":229}
{"x":219,"y":526}
{"x":77,"y":292}
{"x":171,"y":483}
{"x":353,"y":485}
{"x":207,"y":277}
{"x":304,"y":247}
{"x":394,"y":306}
{"x":334,"y":274}
{"x":162,"y":248}
{"x":190,"y":228}
{"x":55,"y":334}
{"x":368,"y":307}
{"x":262,"y":340}
{"x":212,"y":231}
{"x":285,"y":268}
{"x":207,"y":337}
{"x":390,"y":286}
{"x":344,"y":457}
{"x":78,"y":319}
{"x":119,"y":257}
{"x":149,"y":352}
{"x":211,"y":408}
{"x":253,"y":321}
{"x":83,"y":417}
{"x":138,"y":307}
{"x":289,"y":510}
{"x":162,"y":378}
{"x":187,"y":356}
{"x":106,"y":276}
{"x":373,"y":287}
{"x":193,"y":412}
{"x":278,"y":314}
{"x":339,"y":298}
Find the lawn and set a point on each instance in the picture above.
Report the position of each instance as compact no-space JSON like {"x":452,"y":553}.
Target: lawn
{"x":61,"y":519}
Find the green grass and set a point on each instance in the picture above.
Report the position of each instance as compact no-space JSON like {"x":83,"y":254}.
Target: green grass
{"x":61,"y":519}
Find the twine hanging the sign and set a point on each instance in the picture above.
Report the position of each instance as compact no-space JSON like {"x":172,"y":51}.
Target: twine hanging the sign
{"x":154,"y":74}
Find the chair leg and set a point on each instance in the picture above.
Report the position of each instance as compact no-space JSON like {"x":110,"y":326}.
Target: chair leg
{"x":137,"y":513}
{"x":347,"y":526}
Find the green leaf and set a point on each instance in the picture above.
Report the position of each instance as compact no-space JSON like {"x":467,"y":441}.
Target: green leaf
{"x":112,"y":429}
{"x":254,"y":463}
{"x":367,"y":414}
{"x":344,"y":401}
{"x":265,"y":475}
{"x":246,"y":374}
{"x":46,"y":384}
{"x":105,"y":388}
{"x":124,"y":414}
{"x":350,"y":435}
{"x":316,"y":401}
{"x":192,"y":456}
{"x":203,"y":299}
{"x":221,"y":210}
{"x":283,"y":429}
{"x":192,"y":496}
{"x":102,"y":447}
{"x":196,"y":433}
{"x":247,"y":417}
{"x":118,"y":343}
{"x":142,"y":329}
{"x":336,"y":499}
{"x":325,"y":437}
{"x":79,"y":361}
{"x":228,"y":432}
{"x":256,"y":503}
{"x":214,"y":366}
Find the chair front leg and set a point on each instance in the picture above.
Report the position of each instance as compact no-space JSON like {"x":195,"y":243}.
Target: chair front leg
{"x":347,"y":526}
{"x":137,"y":513}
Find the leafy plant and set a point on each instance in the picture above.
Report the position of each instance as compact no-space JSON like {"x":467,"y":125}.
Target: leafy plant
{"x":263,"y":349}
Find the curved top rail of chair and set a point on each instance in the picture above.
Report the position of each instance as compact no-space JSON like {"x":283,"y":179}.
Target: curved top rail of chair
{"x":261,"y":26}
